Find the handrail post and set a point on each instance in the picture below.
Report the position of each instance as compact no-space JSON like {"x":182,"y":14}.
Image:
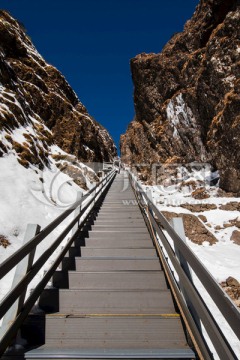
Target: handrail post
{"x":102,"y":187}
{"x":93,"y":197}
{"x":21,"y":269}
{"x":77,"y":211}
{"x":177,"y":224}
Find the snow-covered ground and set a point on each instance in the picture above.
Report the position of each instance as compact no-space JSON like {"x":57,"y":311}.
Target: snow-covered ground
{"x":32,"y":196}
{"x":221,"y":259}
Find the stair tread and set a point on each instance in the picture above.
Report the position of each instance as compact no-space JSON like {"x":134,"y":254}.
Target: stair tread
{"x":117,"y":264}
{"x":116,"y":301}
{"x":117,"y":236}
{"x":118,"y":252}
{"x":119,"y":329}
{"x":117,"y":280}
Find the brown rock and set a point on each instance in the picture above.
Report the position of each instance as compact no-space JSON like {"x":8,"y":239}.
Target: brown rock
{"x":231,"y":281}
{"x":194,"y":229}
{"x":222,"y":193}
{"x":232,"y":288}
{"x":4,"y":241}
{"x":235,"y":222}
{"x":227,"y":225}
{"x":199,"y":207}
{"x":200,"y":193}
{"x":236,"y":237}
{"x":231,"y":206}
{"x":187,"y":97}
{"x":203,"y":218}
{"x":190,"y":183}
{"x":218,"y":227}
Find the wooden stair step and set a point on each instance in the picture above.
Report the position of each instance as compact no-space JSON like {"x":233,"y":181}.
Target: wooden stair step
{"x":144,"y":332}
{"x":124,"y":280}
{"x":119,"y":213}
{"x":107,"y":216}
{"x":117,"y":235}
{"x":114,"y":222}
{"x":118,"y":252}
{"x":127,"y":227}
{"x":112,"y":243}
{"x":115,"y":302}
{"x":90,"y":264}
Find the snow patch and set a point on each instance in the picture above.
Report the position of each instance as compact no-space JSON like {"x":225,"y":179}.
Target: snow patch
{"x":229,"y":80}
{"x":88,"y":149}
{"x":221,"y":67}
{"x":178,"y":113}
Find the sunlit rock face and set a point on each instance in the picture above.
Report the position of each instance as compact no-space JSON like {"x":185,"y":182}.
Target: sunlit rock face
{"x":38,"y":108}
{"x":187,"y":99}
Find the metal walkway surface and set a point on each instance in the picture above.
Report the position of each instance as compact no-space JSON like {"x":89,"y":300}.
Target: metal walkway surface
{"x":117,"y":304}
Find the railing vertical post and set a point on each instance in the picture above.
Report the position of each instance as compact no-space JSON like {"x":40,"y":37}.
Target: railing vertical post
{"x":77,"y":211}
{"x":177,"y":224}
{"x":94,"y":201}
{"x":149,"y":195}
{"x":21,"y":269}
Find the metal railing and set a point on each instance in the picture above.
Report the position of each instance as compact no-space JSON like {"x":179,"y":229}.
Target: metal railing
{"x":191,"y":304}
{"x":26,"y":253}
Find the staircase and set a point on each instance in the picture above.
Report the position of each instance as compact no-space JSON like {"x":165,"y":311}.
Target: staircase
{"x":117,"y":304}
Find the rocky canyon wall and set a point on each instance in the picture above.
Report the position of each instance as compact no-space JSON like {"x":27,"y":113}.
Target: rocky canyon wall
{"x":38,"y":108}
{"x":187,"y":99}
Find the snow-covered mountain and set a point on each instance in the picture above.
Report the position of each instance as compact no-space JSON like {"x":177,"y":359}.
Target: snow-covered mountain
{"x":37,"y":102}
{"x":45,"y":136}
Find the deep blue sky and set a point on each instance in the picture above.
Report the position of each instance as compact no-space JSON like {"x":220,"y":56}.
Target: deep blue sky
{"x":92,"y":41}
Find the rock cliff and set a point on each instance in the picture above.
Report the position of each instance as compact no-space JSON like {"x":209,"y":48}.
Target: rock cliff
{"x":187,"y":98}
{"x":38,"y":108}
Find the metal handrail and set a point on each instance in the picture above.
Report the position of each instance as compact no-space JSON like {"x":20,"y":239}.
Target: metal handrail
{"x":11,"y":262}
{"x":222,"y":301}
{"x":14,"y":259}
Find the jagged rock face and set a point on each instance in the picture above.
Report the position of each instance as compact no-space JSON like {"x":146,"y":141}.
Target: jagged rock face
{"x":37,"y":102}
{"x":187,"y":97}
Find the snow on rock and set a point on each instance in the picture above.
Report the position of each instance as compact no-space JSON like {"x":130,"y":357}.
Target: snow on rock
{"x":178,"y":111}
{"x":31,"y":88}
{"x":180,"y":117}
